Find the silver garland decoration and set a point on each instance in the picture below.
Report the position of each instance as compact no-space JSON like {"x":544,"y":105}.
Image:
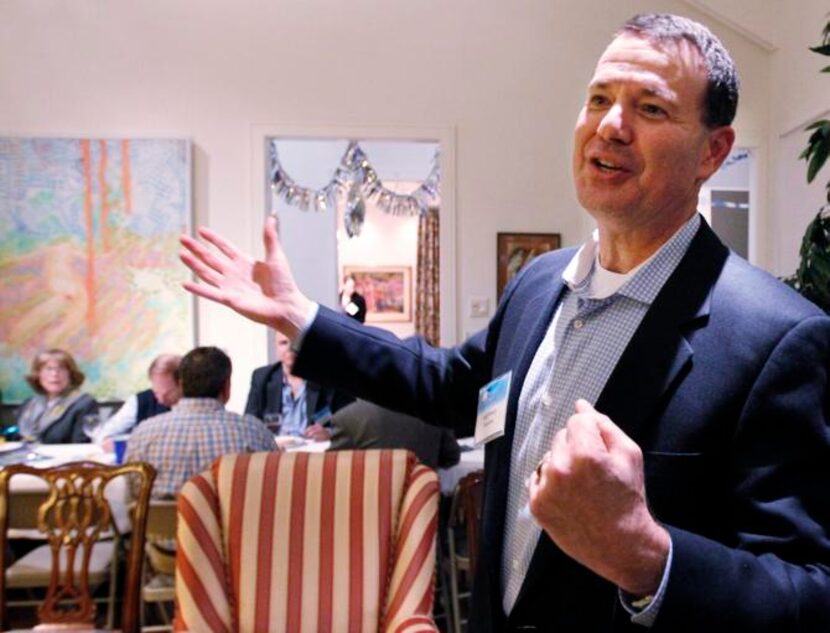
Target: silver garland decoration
{"x":357,"y":181}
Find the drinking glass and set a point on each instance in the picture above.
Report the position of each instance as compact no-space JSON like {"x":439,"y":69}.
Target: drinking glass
{"x":273,"y":422}
{"x":91,"y":422}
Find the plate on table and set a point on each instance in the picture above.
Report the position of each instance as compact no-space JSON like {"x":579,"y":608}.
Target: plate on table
{"x":6,"y":447}
{"x":287,"y":442}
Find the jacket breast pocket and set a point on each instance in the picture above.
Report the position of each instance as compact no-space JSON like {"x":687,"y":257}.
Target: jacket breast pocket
{"x":681,"y":488}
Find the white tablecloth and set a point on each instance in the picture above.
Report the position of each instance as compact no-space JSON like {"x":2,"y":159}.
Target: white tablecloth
{"x":56,"y":454}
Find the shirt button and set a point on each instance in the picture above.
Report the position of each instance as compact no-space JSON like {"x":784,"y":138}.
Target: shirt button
{"x":515,"y":565}
{"x":578,"y":324}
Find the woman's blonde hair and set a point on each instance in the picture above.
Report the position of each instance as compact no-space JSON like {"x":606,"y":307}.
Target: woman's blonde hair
{"x":76,"y":376}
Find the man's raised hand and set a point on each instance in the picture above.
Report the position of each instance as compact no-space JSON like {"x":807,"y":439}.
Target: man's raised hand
{"x":263,"y":291}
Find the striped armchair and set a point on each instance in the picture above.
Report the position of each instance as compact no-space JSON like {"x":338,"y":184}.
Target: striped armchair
{"x":337,"y":541}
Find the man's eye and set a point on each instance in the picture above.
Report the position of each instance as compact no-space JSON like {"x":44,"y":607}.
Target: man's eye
{"x":653,"y":110}
{"x":597,"y":100}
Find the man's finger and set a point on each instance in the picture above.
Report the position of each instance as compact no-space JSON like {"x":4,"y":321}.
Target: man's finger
{"x":584,"y":437}
{"x":614,"y":437}
{"x":271,"y":239}
{"x":201,"y":253}
{"x":227,"y":249}
{"x":202,"y":270}
{"x":583,"y":406}
{"x":206,"y":292}
{"x":559,"y":454}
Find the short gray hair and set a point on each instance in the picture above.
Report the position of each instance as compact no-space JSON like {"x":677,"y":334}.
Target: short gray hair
{"x":721,"y":99}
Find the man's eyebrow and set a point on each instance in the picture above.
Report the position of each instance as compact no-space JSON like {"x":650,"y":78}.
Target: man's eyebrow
{"x":649,"y":91}
{"x":659,"y":92}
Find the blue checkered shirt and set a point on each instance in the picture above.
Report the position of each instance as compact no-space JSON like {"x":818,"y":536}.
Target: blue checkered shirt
{"x":294,"y":413}
{"x":595,"y":320}
{"x":183,"y":442}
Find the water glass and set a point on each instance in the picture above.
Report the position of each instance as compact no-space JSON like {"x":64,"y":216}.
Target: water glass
{"x":119,"y":443}
{"x":273,"y":422}
{"x":91,"y":422}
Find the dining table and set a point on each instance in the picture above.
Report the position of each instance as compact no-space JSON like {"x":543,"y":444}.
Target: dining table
{"x":46,"y":455}
{"x":471,"y":458}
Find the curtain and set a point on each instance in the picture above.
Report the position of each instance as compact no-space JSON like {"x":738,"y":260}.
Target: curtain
{"x":427,"y":293}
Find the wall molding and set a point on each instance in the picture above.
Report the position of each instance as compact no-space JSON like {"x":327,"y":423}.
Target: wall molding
{"x":754,"y":37}
{"x":799,"y":127}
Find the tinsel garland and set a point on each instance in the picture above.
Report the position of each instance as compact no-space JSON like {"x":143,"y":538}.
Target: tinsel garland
{"x":357,"y":181}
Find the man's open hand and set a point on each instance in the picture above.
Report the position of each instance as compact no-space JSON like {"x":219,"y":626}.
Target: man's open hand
{"x":263,"y":291}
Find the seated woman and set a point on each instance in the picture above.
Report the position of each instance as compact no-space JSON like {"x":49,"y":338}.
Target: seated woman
{"x":55,"y":414}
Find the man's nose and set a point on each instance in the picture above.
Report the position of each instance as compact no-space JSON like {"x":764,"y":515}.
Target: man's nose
{"x":614,"y":126}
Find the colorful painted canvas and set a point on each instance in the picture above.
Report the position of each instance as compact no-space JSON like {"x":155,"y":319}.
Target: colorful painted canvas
{"x":386,"y":289}
{"x":89,"y":257}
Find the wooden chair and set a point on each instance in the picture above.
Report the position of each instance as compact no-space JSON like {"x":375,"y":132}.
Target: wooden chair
{"x":160,"y":559}
{"x":73,"y":514}
{"x":465,"y":514}
{"x":335,"y":541}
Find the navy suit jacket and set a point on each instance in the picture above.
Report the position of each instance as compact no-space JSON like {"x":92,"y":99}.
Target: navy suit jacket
{"x":265,"y":395}
{"x":724,"y":386}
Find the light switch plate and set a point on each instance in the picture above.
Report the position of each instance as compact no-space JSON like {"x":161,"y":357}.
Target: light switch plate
{"x":479,"y":307}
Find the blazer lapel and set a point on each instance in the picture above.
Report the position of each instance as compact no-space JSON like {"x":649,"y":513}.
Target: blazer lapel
{"x":273,"y":390}
{"x":544,"y":304}
{"x":312,"y":395}
{"x":534,"y":317}
{"x":660,"y":353}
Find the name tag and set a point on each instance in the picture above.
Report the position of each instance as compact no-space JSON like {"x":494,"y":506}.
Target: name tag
{"x":492,"y":409}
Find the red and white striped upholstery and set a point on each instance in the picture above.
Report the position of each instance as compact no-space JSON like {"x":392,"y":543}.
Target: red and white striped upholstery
{"x":317,"y":542}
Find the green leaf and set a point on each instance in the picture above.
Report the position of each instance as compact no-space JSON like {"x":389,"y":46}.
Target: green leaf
{"x":821,"y":50}
{"x":817,"y":161}
{"x":826,"y":69}
{"x":823,"y":126}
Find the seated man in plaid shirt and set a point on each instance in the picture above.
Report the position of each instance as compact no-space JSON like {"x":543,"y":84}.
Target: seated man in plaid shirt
{"x":186,"y":440}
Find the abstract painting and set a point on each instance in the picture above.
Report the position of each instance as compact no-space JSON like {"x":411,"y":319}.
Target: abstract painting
{"x":89,"y":257}
{"x":515,"y":250}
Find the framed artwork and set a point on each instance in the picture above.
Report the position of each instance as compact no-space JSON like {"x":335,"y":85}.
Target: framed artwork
{"x":89,"y":233}
{"x":515,"y":250}
{"x":387,"y":291}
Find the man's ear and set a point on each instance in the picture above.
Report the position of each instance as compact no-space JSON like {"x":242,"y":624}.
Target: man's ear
{"x":717,"y":147}
{"x":226,"y":390}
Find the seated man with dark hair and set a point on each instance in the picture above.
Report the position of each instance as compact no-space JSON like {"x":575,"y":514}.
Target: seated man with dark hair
{"x":184,"y":442}
{"x":305,"y":406}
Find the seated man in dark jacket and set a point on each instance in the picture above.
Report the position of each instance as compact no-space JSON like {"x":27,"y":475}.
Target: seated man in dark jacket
{"x":366,"y":425}
{"x":305,"y":407}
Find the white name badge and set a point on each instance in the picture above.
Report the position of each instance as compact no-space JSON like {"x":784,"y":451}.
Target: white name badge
{"x":492,"y":409}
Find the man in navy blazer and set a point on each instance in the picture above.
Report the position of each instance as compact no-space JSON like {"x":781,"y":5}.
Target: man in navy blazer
{"x":269,"y":384}
{"x":689,"y":490}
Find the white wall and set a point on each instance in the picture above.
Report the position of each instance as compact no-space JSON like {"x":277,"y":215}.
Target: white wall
{"x":508,"y":77}
{"x":801,"y":95}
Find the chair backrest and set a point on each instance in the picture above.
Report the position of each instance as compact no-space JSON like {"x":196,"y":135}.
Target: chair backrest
{"x":72,"y":512}
{"x":337,"y":541}
{"x":161,"y":536}
{"x":161,"y":519}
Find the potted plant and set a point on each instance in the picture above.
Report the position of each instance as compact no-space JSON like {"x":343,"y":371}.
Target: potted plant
{"x":812,"y":279}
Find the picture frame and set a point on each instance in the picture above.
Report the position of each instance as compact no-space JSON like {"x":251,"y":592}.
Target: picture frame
{"x":515,"y":250}
{"x":91,"y":243}
{"x":387,"y":291}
